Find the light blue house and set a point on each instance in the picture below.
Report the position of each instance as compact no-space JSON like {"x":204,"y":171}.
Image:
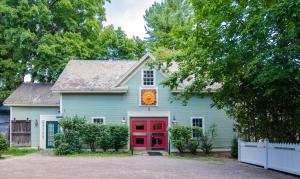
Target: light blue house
{"x":110,"y":92}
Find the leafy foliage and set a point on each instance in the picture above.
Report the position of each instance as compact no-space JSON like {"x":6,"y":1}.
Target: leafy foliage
{"x":180,"y":136}
{"x":250,"y":49}
{"x":91,"y":133}
{"x":194,"y":143}
{"x":168,"y":24}
{"x":119,"y":135}
{"x":4,"y":144}
{"x":38,"y":38}
{"x":208,"y":138}
{"x":76,"y":133}
{"x":234,"y":148}
{"x":105,"y":140}
{"x":70,"y":139}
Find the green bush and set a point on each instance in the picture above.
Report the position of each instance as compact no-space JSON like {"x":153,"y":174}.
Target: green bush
{"x":4,"y":144}
{"x":64,"y":149}
{"x":206,"y":145}
{"x":105,"y":139}
{"x":193,"y":145}
{"x":234,"y":148}
{"x":207,"y":139}
{"x":119,"y":136}
{"x":91,"y":133}
{"x":76,"y":131}
{"x":70,"y":136}
{"x":180,"y":136}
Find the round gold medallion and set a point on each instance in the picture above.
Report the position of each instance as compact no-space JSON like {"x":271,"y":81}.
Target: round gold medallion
{"x":148,"y":97}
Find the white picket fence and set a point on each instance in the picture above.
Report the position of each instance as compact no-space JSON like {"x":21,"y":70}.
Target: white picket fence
{"x":278,"y":156}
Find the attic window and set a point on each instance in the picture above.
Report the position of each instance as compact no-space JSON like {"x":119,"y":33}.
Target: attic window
{"x":98,"y":120}
{"x":148,"y":78}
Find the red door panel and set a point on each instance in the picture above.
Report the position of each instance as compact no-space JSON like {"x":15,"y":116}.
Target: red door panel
{"x":159,"y":142}
{"x":149,"y":133}
{"x":139,"y":126}
{"x":139,"y":141}
{"x":158,"y":126}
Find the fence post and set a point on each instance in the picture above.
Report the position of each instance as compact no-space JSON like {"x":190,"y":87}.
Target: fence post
{"x":266,"y":143}
{"x":239,"y":149}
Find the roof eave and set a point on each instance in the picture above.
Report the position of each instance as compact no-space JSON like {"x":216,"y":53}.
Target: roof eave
{"x":115,"y":91}
{"x":31,"y":105}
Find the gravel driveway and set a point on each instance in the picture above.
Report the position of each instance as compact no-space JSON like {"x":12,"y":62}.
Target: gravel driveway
{"x":140,"y":167}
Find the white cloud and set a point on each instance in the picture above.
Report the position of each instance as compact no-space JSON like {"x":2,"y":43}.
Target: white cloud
{"x":128,"y":14}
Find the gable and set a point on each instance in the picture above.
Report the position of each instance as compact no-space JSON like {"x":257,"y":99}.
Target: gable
{"x":136,"y":72}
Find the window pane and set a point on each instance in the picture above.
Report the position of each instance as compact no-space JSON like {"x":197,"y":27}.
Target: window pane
{"x":139,"y":127}
{"x":196,"y":122}
{"x":139,"y":140}
{"x":148,"y":78}
{"x":157,"y":126}
{"x":98,"y":120}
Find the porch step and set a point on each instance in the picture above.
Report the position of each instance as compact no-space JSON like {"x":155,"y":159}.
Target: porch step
{"x":151,"y":153}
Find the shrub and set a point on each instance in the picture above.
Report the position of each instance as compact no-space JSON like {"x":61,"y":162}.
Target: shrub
{"x":105,"y":140}
{"x":91,"y":134}
{"x":179,"y":136}
{"x":207,"y":139}
{"x":206,"y":144}
{"x":119,"y":136}
{"x":234,"y":148}
{"x":193,"y":145}
{"x":70,"y":136}
{"x":4,"y":144}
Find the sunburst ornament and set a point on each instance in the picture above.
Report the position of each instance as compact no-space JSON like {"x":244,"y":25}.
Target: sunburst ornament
{"x":148,"y":96}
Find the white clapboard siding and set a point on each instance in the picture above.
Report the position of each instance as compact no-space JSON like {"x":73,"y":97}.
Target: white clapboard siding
{"x":278,"y":156}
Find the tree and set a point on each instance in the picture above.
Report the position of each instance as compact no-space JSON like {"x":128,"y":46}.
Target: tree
{"x":169,"y":24}
{"x":250,"y":50}
{"x":115,"y":45}
{"x":38,"y":38}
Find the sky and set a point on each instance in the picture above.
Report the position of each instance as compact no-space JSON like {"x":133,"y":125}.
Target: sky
{"x":128,"y":14}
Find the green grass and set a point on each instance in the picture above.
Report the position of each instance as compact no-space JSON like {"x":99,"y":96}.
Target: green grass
{"x":100,"y":154}
{"x":189,"y":156}
{"x":13,"y":151}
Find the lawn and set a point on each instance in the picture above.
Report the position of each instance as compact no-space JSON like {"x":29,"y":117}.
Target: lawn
{"x":13,"y":151}
{"x":90,"y":154}
{"x":214,"y":156}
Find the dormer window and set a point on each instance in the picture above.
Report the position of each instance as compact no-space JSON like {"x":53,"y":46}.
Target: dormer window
{"x":148,"y":78}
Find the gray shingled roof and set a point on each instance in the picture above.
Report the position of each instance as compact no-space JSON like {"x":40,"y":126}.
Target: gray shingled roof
{"x":33,"y":94}
{"x":92,"y":75}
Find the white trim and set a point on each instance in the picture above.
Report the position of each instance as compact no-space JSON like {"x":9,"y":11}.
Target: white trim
{"x":142,"y":78}
{"x":43,"y":119}
{"x":99,"y":117}
{"x":60,"y":106}
{"x":33,"y":105}
{"x":114,"y":90}
{"x":148,"y":114}
{"x":203,"y":123}
{"x":11,"y":118}
{"x":133,"y":69}
{"x":140,"y":97}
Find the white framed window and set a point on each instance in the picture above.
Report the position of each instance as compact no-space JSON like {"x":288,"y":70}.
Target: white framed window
{"x":98,"y":120}
{"x":148,"y":78}
{"x":197,"y":122}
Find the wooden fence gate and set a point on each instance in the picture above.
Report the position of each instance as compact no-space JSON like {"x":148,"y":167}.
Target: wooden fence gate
{"x":21,"y":133}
